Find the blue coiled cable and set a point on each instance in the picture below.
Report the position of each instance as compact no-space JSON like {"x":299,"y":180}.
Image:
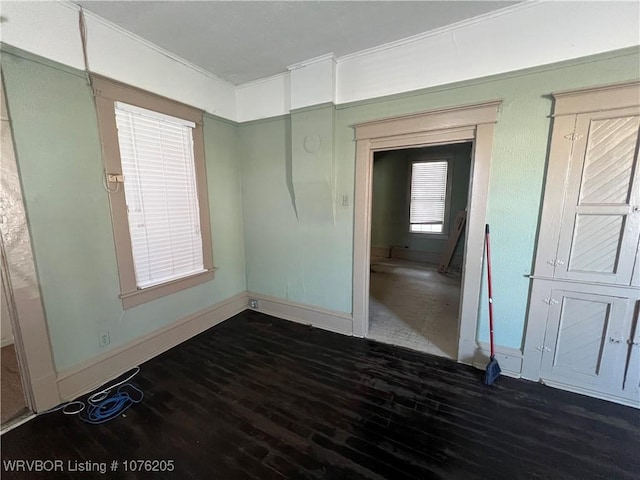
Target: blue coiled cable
{"x":112,"y":405}
{"x":104,"y":405}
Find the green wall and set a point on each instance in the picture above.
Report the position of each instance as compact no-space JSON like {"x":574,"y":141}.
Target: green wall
{"x":390,"y":198}
{"x":260,"y":242}
{"x":299,"y":258}
{"x":313,"y":263}
{"x":391,"y":171}
{"x":58,"y":152}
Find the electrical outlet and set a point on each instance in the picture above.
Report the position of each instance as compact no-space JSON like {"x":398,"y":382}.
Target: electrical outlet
{"x":104,"y":339}
{"x":253,"y":303}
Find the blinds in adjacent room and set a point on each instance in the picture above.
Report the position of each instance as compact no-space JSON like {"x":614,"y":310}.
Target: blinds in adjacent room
{"x":156,"y":152}
{"x":428,"y":196}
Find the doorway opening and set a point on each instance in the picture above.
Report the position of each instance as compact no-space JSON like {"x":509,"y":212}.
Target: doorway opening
{"x":28,"y":376}
{"x":465,"y":124}
{"x":13,"y":402}
{"x":417,"y":196}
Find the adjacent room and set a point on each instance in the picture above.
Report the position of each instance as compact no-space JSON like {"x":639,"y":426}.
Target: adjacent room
{"x":366,"y":240}
{"x":12,"y":401}
{"x":418,"y":215}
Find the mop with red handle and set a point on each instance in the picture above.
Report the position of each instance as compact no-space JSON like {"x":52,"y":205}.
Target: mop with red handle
{"x":492,"y":372}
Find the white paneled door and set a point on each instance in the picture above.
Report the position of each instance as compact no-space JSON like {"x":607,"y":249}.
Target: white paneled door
{"x":586,"y":339}
{"x":582,"y":332}
{"x":601,"y":215}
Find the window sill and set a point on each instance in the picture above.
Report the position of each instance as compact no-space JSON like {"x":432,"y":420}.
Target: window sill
{"x":138,"y":297}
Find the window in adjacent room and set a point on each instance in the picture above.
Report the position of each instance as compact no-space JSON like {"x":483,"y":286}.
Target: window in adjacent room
{"x":430,"y":192}
{"x":159,"y":206}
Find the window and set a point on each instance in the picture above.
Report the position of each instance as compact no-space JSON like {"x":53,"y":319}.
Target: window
{"x":429,"y":197}
{"x":154,"y":147}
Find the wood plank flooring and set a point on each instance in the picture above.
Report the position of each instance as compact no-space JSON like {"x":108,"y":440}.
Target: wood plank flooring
{"x":12,"y":402}
{"x":261,"y":398}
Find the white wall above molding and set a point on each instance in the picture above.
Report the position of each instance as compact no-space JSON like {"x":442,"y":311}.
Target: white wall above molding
{"x":267,"y":97}
{"x":313,"y":82}
{"x":523,"y":36}
{"x":526,"y":35}
{"x":50,"y":29}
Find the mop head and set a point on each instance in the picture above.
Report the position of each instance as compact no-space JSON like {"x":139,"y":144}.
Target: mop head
{"x":492,"y":372}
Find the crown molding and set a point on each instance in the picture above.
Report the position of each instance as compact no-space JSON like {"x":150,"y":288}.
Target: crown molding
{"x":311,"y":61}
{"x":270,"y":78}
{"x":72,"y":6}
{"x":442,"y":30}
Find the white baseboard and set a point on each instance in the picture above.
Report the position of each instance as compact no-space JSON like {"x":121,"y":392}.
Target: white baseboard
{"x":422,"y":257}
{"x":629,"y":402}
{"x":96,"y":371}
{"x":91,"y":374}
{"x":6,"y":342}
{"x":87,"y":376}
{"x":333,"y":321}
{"x":509,"y":359}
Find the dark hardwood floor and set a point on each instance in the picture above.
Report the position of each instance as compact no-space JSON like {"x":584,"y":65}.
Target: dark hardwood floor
{"x":258,"y":397}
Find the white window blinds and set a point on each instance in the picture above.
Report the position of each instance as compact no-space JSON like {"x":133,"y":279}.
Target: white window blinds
{"x":156,"y":152}
{"x":428,"y":196}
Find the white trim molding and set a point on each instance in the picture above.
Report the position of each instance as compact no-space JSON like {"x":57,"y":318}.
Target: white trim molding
{"x":629,"y":402}
{"x":509,"y":359}
{"x":311,"y":61}
{"x":50,"y":29}
{"x":85,"y":377}
{"x":597,"y":99}
{"x":506,"y":40}
{"x":431,"y":122}
{"x":470,"y":123}
{"x":527,"y":35}
{"x":330,"y":320}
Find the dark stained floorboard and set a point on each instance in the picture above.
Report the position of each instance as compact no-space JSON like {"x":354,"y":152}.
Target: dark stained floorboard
{"x":261,"y":398}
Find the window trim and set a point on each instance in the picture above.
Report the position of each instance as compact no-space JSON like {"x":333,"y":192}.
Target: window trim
{"x":107,"y":92}
{"x":447,"y":201}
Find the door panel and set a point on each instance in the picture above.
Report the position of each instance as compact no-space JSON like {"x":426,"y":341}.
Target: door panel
{"x":579,"y":344}
{"x":609,"y":161}
{"x":586,"y":335}
{"x":600,"y":222}
{"x":596,"y":243}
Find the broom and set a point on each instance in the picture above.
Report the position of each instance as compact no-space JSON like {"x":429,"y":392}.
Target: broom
{"x":492,"y":372}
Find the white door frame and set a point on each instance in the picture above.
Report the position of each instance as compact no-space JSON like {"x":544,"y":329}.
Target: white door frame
{"x":471,"y":123}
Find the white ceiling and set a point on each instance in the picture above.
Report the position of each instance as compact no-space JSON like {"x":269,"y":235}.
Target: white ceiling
{"x":242,"y":41}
